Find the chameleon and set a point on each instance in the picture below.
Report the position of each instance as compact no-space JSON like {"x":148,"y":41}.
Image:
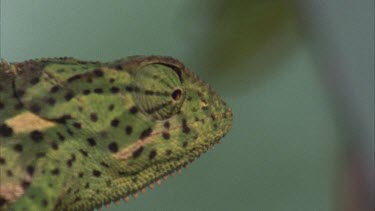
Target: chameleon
{"x":77,"y":135}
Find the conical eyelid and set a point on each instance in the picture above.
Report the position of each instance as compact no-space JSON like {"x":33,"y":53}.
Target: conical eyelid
{"x":160,"y":91}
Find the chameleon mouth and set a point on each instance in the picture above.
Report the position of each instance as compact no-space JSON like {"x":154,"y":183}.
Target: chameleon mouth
{"x":169,"y":167}
{"x":176,"y":165}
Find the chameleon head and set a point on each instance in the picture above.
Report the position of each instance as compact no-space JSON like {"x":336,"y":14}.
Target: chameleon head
{"x":184,"y":118}
{"x":108,"y":130}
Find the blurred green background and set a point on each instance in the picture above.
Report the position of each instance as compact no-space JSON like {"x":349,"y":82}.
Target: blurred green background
{"x":299,"y":76}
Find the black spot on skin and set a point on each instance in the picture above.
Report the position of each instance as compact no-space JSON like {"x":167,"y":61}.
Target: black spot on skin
{"x":54,"y":146}
{"x":146,"y":133}
{"x":60,"y":136}
{"x":83,"y":152}
{"x":34,"y":81}
{"x":113,"y":147}
{"x":44,"y":203}
{"x":80,"y":175}
{"x":77,"y":199}
{"x":115,"y":122}
{"x":104,"y":164}
{"x":25,"y":184}
{"x":18,"y":148}
{"x":70,"y":132}
{"x":98,"y":90}
{"x":2,"y":161}
{"x":5,"y":130}
{"x":51,"y":101}
{"x":2,"y":201}
{"x":69,"y":162}
{"x":152,"y":154}
{"x":94,"y":117}
{"x":77,"y":125}
{"x":115,"y":89}
{"x":149,"y":92}
{"x":121,"y":173}
{"x":111,"y":107}
{"x":36,"y":136}
{"x":128,"y":130}
{"x":167,"y":125}
{"x":185,"y":128}
{"x":9,"y":173}
{"x":91,"y":141}
{"x":68,"y":96}
{"x":129,"y":88}
{"x":54,"y":89}
{"x":55,"y":171}
{"x":35,"y":108}
{"x":137,"y":152}
{"x":133,"y":110}
{"x":166,"y":135}
{"x":168,"y":152}
{"x":98,"y":72}
{"x":96,"y":173}
{"x":86,"y":92}
{"x":30,"y":170}
{"x":18,"y":106}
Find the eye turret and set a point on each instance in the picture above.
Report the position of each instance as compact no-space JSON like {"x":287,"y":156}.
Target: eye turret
{"x":160,"y":92}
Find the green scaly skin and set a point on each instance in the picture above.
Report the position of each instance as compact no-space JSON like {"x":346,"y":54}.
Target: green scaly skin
{"x":113,"y":129}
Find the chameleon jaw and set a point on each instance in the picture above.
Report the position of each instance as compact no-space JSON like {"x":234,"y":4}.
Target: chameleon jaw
{"x":157,"y":171}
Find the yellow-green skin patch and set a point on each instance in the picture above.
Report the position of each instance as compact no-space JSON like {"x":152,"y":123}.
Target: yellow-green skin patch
{"x":75,"y":135}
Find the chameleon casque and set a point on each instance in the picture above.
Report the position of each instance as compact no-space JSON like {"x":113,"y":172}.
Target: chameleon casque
{"x":76,"y":135}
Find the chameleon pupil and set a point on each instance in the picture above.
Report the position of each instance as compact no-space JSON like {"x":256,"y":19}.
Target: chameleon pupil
{"x":176,"y":94}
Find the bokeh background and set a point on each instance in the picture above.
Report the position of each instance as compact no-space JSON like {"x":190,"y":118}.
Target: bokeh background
{"x":299,"y":76}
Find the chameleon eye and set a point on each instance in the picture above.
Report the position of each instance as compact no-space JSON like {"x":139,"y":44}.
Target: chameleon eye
{"x":176,"y":94}
{"x":160,"y":92}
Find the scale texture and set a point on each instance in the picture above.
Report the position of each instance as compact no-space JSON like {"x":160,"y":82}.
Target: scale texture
{"x":76,"y":135}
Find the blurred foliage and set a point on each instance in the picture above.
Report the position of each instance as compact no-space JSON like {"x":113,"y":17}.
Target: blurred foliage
{"x":258,"y":31}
